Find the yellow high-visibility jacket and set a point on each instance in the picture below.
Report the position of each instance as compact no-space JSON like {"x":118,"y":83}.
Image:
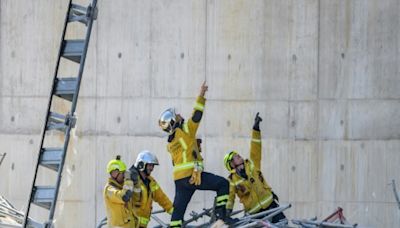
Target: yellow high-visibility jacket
{"x":254,"y":192}
{"x":183,"y":147}
{"x":119,"y":213}
{"x":142,"y":208}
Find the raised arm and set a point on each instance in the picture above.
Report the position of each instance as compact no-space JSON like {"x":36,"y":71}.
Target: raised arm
{"x":194,"y":121}
{"x":255,"y":145}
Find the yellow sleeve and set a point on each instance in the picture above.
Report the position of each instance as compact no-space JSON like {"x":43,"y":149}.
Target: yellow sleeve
{"x":114,"y":194}
{"x":161,"y":198}
{"x":136,"y":198}
{"x":231,"y":199}
{"x":191,"y":125}
{"x":255,"y":149}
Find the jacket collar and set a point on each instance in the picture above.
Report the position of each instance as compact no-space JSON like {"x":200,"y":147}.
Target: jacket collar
{"x":114,"y":183}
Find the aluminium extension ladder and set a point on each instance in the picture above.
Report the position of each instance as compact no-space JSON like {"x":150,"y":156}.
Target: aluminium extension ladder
{"x":67,"y":89}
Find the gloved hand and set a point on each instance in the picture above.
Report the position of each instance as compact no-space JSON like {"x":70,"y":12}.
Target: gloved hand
{"x":128,"y":184}
{"x":203,"y":89}
{"x":199,"y":141}
{"x":127,"y":175}
{"x":133,"y":175}
{"x":196,"y":175}
{"x":275,"y":196}
{"x":257,"y":121}
{"x":228,"y":212}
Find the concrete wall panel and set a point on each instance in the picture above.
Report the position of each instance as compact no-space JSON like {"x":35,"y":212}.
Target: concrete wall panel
{"x":374,"y":120}
{"x":359,"y":49}
{"x":236,"y":119}
{"x":322,"y":74}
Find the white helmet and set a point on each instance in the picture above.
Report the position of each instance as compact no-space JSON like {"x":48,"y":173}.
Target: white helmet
{"x":167,"y":120}
{"x":145,"y":157}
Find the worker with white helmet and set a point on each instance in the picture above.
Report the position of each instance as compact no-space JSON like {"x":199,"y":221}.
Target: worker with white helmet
{"x":150,"y":189}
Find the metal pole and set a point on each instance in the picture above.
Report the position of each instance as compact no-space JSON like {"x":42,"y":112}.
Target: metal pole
{"x":277,"y":211}
{"x":197,"y":216}
{"x":302,"y":224}
{"x":236,"y":212}
{"x":263,"y":213}
{"x":325,"y":224}
{"x":102,"y":222}
{"x":163,"y":224}
{"x":157,"y":212}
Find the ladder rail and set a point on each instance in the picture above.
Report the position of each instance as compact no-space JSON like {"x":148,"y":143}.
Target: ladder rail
{"x":69,"y":120}
{"x":73,"y":108}
{"x":47,"y":113}
{"x":83,"y":60}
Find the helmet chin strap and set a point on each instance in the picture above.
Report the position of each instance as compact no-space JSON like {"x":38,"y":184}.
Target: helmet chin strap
{"x":145,"y":171}
{"x":116,"y":177}
{"x":237,"y":166}
{"x":241,"y":171}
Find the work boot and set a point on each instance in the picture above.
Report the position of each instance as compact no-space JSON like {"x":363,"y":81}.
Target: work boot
{"x":220,"y":213}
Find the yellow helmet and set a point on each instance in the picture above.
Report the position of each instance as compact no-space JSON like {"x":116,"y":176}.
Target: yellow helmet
{"x":116,"y":164}
{"x":228,"y":158}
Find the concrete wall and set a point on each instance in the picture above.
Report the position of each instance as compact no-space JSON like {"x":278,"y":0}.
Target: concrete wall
{"x":323,"y":74}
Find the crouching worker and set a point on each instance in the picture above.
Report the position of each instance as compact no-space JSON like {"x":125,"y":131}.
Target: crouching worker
{"x":247,"y":181}
{"x":119,"y":194}
{"x":150,"y":190}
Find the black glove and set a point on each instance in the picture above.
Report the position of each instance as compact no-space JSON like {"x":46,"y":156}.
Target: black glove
{"x":257,"y":121}
{"x":127,"y":196}
{"x":199,"y":141}
{"x":228,"y":212}
{"x":134,"y":175}
{"x":275,"y":196}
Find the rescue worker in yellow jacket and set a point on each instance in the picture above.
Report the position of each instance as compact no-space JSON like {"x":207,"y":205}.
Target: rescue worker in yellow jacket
{"x":150,"y":190}
{"x":188,"y":162}
{"x":118,"y":195}
{"x":247,"y":181}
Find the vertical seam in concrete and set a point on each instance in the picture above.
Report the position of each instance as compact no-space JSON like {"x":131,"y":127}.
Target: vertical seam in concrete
{"x":95,"y":117}
{"x":318,"y":104}
{"x":205,"y":67}
{"x":205,"y":40}
{"x":1,"y":63}
{"x":150,"y":51}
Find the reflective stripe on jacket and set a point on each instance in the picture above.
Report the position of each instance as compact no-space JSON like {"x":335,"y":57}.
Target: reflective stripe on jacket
{"x":183,"y":147}
{"x":119,"y":212}
{"x":254,"y":192}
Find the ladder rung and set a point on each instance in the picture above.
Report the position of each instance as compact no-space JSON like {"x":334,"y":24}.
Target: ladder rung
{"x":78,"y":13}
{"x":51,"y":157}
{"x":43,"y":196}
{"x":73,"y":50}
{"x":56,"y":122}
{"x":65,"y":88}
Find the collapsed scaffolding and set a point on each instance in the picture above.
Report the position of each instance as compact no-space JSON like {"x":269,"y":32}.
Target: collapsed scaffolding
{"x":9,"y":215}
{"x":258,"y":220}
